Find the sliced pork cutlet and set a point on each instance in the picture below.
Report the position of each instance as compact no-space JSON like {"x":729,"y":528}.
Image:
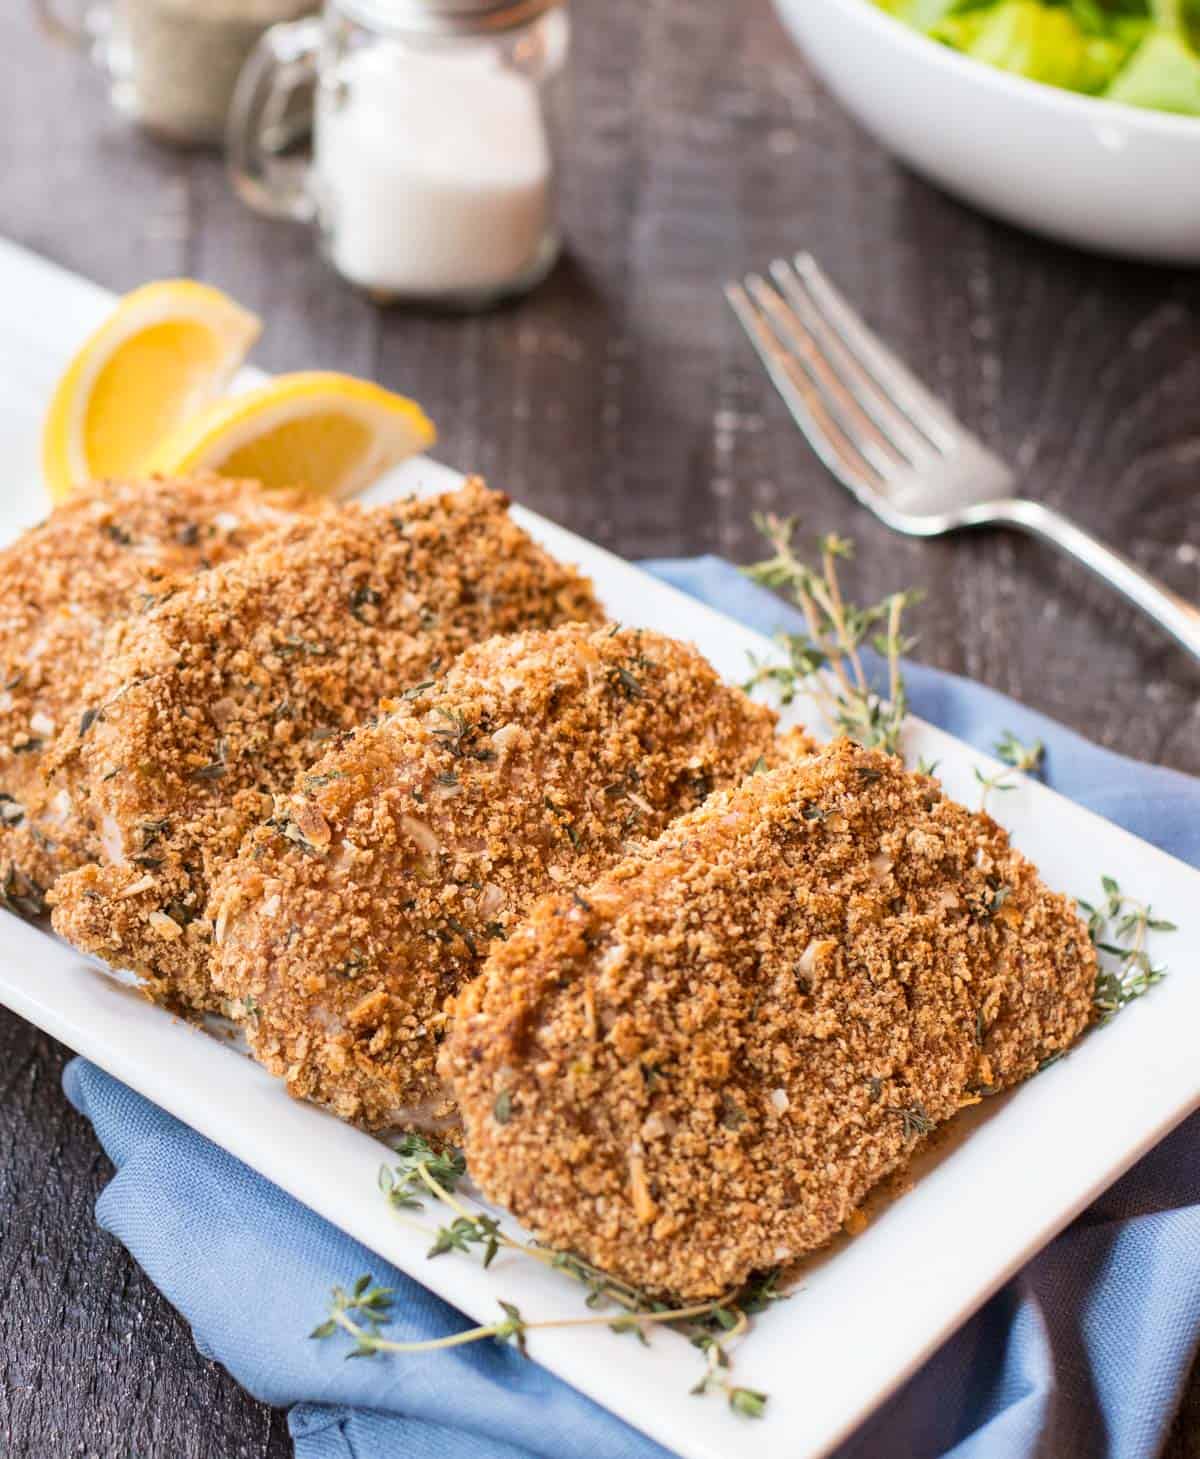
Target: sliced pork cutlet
{"x":111,"y":549}
{"x":697,"y":1067}
{"x":376,"y":889}
{"x":220,"y":696}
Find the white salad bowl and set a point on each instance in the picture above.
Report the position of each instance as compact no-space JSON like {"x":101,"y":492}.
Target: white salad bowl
{"x":1094,"y":173}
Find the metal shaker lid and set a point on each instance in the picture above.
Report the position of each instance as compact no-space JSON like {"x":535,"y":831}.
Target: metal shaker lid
{"x":444,"y":17}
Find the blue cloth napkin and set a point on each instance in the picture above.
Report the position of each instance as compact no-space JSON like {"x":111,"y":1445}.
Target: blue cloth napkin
{"x":1084,"y":1354}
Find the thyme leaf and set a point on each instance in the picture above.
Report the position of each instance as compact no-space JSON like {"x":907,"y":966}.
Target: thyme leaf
{"x":1028,"y":759}
{"x":999,"y":783}
{"x":560,"y":818}
{"x":914,"y":1120}
{"x":986,"y":906}
{"x":416,"y":1157}
{"x":465,"y":1231}
{"x":364,"y":597}
{"x":19,"y":893}
{"x":748,"y":1401}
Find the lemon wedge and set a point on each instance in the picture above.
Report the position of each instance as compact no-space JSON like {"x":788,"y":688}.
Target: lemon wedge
{"x":165,"y":352}
{"x":331,"y":433}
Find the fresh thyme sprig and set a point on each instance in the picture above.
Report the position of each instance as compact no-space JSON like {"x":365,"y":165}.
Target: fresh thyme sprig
{"x":1028,"y":759}
{"x":999,"y":783}
{"x":826,"y":659}
{"x":415,"y":1155}
{"x":1118,"y":927}
{"x":363,"y":1311}
{"x":373,"y":1304}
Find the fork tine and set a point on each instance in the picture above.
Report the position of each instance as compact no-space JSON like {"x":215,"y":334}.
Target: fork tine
{"x":806,"y":359}
{"x":895,"y":379}
{"x":881,"y":413}
{"x":806,"y":408}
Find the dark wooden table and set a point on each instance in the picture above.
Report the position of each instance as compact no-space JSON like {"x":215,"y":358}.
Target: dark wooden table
{"x":622,"y":401}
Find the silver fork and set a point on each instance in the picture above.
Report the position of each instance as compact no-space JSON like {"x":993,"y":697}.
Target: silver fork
{"x":897,"y":447}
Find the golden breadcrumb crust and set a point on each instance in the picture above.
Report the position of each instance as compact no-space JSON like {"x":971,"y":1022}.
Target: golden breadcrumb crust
{"x":109,"y":550}
{"x":217,"y":698}
{"x":379,"y":883}
{"x":699,"y":1066}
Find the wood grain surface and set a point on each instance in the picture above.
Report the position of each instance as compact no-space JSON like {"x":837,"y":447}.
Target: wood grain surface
{"x":621,"y":401}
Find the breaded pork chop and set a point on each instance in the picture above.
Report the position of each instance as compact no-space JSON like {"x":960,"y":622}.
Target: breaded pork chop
{"x":374,"y":892}
{"x":699,"y":1066}
{"x":108,"y":551}
{"x":220,"y":696}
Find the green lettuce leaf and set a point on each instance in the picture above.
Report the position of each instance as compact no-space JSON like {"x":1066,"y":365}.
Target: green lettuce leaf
{"x":1046,"y":43}
{"x":1163,"y":73}
{"x":960,"y":32}
{"x":1143,"y":52}
{"x":925,"y":14}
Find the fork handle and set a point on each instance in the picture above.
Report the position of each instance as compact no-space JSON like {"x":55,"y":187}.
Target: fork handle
{"x":1180,"y":618}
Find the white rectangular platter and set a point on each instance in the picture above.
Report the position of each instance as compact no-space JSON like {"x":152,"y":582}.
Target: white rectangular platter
{"x":868,"y":1315}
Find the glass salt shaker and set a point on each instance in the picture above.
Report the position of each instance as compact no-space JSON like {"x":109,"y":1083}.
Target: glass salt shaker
{"x":435,"y":142}
{"x":171,"y":64}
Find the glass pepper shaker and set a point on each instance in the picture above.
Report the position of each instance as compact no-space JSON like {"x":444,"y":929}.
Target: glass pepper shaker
{"x":435,"y":143}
